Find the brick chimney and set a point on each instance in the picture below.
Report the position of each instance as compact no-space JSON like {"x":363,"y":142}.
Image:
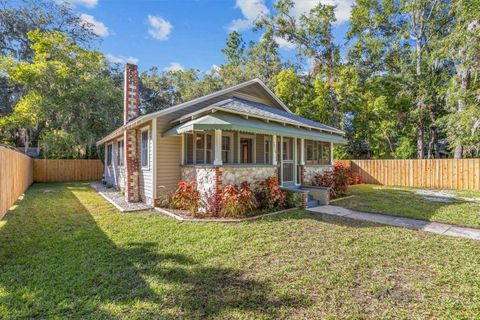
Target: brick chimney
{"x":130,"y":111}
{"x":131,"y":97}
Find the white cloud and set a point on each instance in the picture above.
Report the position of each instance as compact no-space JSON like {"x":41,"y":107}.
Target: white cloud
{"x":174,"y":66}
{"x":342,"y":10}
{"x":285,"y":44}
{"x":85,"y":3}
{"x":97,"y":26}
{"x":251,"y":10}
{"x":214,"y":70}
{"x":121,"y":59}
{"x":160,"y":28}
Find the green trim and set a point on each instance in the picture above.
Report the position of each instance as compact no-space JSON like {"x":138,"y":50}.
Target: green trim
{"x":224,"y":121}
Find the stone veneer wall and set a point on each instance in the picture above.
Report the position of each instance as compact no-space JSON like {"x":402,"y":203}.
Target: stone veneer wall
{"x":211,"y":180}
{"x":251,"y":174}
{"x":205,"y":178}
{"x":310,"y":171}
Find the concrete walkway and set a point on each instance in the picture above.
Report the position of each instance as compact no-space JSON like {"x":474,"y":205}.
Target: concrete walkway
{"x":415,"y":224}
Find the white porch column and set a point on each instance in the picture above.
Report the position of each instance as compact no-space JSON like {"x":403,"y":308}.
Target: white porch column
{"x":295,"y":159}
{"x":182,"y":160}
{"x":302,"y":152}
{"x":331,"y":153}
{"x":218,"y":148}
{"x":281,"y":160}
{"x":274,"y":150}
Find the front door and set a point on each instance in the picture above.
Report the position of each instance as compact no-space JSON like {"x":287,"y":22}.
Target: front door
{"x":287,"y":163}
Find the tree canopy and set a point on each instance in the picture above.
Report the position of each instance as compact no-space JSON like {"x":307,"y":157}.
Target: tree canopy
{"x":404,"y":84}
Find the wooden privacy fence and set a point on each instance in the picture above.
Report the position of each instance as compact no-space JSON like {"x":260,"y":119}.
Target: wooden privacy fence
{"x":49,"y":170}
{"x":431,"y":173}
{"x":16,"y":175}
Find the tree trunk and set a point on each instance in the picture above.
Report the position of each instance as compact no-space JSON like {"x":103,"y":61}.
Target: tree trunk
{"x":458,"y":152}
{"x":420,"y":104}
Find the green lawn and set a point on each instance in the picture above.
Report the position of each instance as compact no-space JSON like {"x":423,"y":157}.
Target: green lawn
{"x":66,"y":253}
{"x":404,"y":202}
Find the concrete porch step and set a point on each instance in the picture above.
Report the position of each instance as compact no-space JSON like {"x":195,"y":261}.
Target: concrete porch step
{"x":312,"y":203}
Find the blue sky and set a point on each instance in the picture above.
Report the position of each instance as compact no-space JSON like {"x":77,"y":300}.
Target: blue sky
{"x":182,"y":33}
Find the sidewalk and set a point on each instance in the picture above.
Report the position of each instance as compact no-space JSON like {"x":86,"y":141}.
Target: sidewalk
{"x":409,"y":223}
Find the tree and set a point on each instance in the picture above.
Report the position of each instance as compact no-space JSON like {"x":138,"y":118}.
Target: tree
{"x":67,"y":91}
{"x":17,"y":18}
{"x":262,"y":60}
{"x":312,"y":34}
{"x":290,"y":89}
{"x":400,"y":39}
{"x":463,"y":46}
{"x":234,"y":49}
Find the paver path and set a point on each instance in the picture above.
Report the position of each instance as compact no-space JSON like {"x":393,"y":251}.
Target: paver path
{"x":435,"y":227}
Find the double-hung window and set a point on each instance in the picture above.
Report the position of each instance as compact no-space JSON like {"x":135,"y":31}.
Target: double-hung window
{"x":109,"y":154}
{"x":144,"y":154}
{"x":317,"y":152}
{"x":203,"y":148}
{"x":226,"y":149}
{"x":120,"y":153}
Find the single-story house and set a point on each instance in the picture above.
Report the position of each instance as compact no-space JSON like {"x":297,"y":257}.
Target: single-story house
{"x":242,"y":133}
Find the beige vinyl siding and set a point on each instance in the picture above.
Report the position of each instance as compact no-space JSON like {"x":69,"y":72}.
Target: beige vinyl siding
{"x":145,"y":174}
{"x":114,"y":174}
{"x":169,"y":153}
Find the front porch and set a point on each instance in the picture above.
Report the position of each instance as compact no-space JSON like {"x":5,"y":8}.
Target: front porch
{"x":242,"y":156}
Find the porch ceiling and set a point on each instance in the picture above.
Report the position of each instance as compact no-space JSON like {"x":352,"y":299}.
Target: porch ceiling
{"x":225,"y":121}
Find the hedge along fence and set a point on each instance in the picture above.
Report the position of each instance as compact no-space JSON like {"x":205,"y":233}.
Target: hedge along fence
{"x":16,"y":175}
{"x":49,"y":170}
{"x":431,"y":173}
{"x":18,"y":172}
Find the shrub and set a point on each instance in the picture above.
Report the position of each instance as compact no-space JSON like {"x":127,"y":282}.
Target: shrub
{"x":237,"y":202}
{"x":213,"y":204}
{"x":187,"y":197}
{"x":337,"y":179}
{"x":166,"y":201}
{"x":269,"y":195}
{"x":292,"y":199}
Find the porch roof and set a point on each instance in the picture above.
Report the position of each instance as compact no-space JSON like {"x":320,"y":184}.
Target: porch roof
{"x":225,"y":121}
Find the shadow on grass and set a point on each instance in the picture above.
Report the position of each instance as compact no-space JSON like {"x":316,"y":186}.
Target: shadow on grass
{"x":56,"y":261}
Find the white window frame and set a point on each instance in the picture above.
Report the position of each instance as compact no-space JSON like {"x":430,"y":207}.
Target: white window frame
{"x":109,"y":154}
{"x":231,"y":156}
{"x":122,"y":157}
{"x":146,"y":167}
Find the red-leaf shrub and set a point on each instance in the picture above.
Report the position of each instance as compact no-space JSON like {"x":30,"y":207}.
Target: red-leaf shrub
{"x":213,"y":205}
{"x":187,"y":197}
{"x":337,"y":179}
{"x":269,"y":195}
{"x":237,"y":202}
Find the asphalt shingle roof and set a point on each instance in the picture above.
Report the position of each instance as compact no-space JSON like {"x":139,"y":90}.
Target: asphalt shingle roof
{"x":264,"y":111}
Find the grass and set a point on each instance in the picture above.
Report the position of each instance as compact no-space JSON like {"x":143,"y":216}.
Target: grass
{"x":404,"y":202}
{"x":66,"y":253}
